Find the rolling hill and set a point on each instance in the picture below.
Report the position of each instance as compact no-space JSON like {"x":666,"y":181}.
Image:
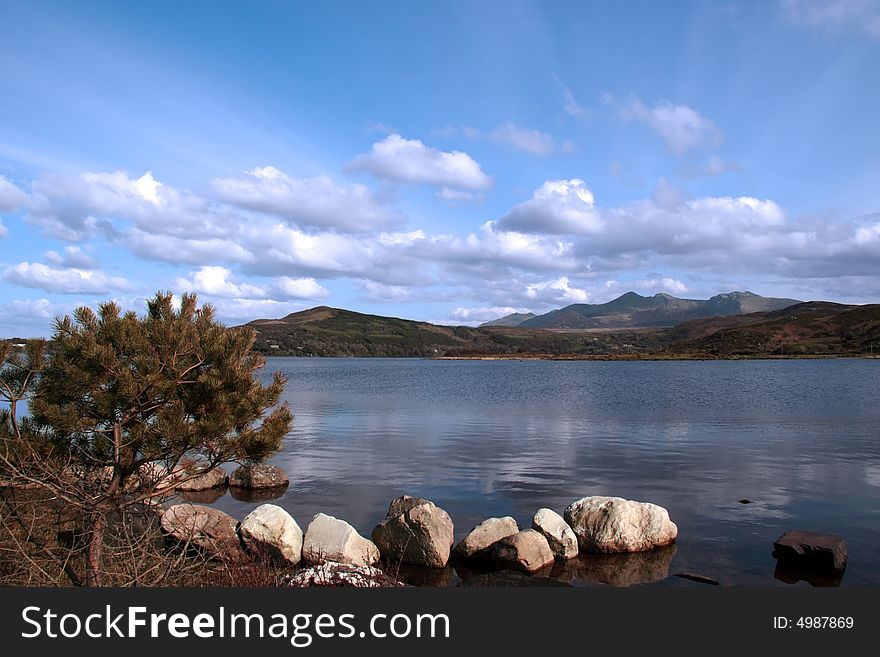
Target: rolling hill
{"x":814,"y":328}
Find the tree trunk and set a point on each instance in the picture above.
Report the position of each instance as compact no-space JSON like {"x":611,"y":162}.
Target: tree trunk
{"x":95,"y":559}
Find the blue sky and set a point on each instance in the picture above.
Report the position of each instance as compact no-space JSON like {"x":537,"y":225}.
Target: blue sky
{"x":447,"y":161}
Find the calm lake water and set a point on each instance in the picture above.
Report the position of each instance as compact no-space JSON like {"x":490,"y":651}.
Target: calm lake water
{"x":800,"y":439}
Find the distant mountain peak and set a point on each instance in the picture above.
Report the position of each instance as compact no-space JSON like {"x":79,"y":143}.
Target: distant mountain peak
{"x":632,"y":310}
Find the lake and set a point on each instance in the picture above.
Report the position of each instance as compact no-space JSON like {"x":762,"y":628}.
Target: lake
{"x":800,"y":439}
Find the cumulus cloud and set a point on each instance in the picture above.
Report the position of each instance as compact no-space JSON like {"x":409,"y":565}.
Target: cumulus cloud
{"x":671,"y":286}
{"x":73,"y":257}
{"x":250,"y":309}
{"x":493,"y":252}
{"x":682,"y":129}
{"x":557,"y":207}
{"x":299,"y":288}
{"x":63,"y":281}
{"x":379,"y":292}
{"x":556,"y":291}
{"x":479,"y":315}
{"x":411,"y":161}
{"x":316,"y":202}
{"x":667,"y":195}
{"x":836,"y":15}
{"x":217,"y":281}
{"x":547,"y":251}
{"x":11,"y":197}
{"x":75,"y":207}
{"x":32,"y":308}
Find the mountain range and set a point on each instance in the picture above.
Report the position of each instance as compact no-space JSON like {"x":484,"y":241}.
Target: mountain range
{"x":633,"y":310}
{"x":814,"y":328}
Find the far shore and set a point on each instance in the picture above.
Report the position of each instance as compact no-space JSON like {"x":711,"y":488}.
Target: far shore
{"x":599,"y":357}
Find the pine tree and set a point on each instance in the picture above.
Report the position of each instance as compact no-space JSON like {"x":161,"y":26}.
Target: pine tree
{"x":122,"y":402}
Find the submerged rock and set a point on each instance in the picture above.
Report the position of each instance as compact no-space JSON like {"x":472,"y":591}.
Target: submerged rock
{"x":811,"y":551}
{"x":330,"y":539}
{"x":416,"y":532}
{"x":477,"y":544}
{"x":613,"y":524}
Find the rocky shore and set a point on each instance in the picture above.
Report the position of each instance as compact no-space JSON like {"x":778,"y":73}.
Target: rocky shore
{"x":415,"y":542}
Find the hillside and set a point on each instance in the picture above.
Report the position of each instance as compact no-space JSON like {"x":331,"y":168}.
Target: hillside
{"x":324,"y":331}
{"x":632,"y":310}
{"x":814,"y":328}
{"x":513,"y":319}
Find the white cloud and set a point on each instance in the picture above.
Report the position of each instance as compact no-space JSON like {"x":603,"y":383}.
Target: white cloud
{"x":667,"y":195}
{"x":410,"y":161}
{"x":75,"y":207}
{"x":74,"y":257}
{"x":557,"y":291}
{"x":183,"y":250}
{"x":216,"y":281}
{"x":299,"y":288}
{"x":557,"y":207}
{"x":379,"y":292}
{"x":483,"y":313}
{"x":671,"y":286}
{"x":250,"y":309}
{"x":34,"y":308}
{"x":11,"y":197}
{"x":681,"y":128}
{"x":533,"y":142}
{"x":494,"y":252}
{"x":63,"y":281}
{"x":835,"y":15}
{"x":316,"y":202}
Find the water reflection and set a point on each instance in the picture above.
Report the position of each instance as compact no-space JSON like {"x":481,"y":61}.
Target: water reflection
{"x":208,"y":496}
{"x":481,"y":439}
{"x":257,"y":494}
{"x":790,"y":575}
{"x":616,"y":569}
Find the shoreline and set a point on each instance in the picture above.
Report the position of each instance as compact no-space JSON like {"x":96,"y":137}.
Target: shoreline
{"x":592,"y":357}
